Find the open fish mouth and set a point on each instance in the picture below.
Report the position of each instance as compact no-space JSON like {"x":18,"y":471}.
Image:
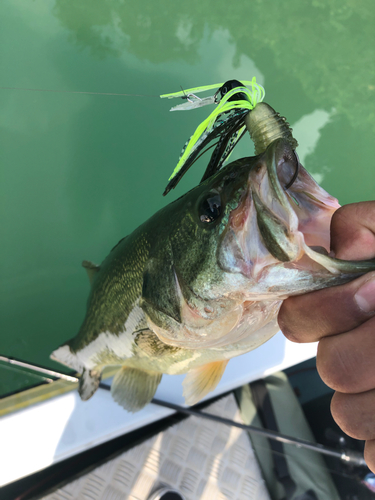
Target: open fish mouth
{"x":283,"y":218}
{"x":274,"y":244}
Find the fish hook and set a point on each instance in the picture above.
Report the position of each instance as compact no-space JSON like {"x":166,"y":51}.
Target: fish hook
{"x":295,"y":175}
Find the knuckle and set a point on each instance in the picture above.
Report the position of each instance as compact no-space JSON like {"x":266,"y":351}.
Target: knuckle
{"x":342,"y":413}
{"x":335,"y":365}
{"x":343,"y":212}
{"x":354,"y":414}
{"x":286,"y":323}
{"x":342,"y":215}
{"x":289,"y":333}
{"x":293,"y":322}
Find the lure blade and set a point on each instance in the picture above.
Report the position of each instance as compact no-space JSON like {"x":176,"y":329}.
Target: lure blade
{"x":195,"y":90}
{"x":194,"y":103}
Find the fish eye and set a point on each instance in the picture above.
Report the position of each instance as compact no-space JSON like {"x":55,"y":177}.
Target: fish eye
{"x":209,"y":208}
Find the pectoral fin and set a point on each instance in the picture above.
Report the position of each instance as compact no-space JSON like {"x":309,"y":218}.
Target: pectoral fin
{"x":202,"y":380}
{"x":133,"y":388}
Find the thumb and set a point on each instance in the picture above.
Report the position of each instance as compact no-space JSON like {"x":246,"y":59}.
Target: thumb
{"x":353,"y":231}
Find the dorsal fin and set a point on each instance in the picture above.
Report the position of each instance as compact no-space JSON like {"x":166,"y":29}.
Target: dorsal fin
{"x":202,"y":380}
{"x":91,"y":269}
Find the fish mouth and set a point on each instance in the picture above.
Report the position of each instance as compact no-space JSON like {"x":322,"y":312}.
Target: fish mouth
{"x":277,"y":221}
{"x":283,"y":218}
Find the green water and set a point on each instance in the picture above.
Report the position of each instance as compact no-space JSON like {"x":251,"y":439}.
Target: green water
{"x":79,"y":171}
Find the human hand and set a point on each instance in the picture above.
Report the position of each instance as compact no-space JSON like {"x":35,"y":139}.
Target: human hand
{"x":343,"y":320}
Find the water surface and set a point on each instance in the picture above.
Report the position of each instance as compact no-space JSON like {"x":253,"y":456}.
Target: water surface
{"x":80,"y":171}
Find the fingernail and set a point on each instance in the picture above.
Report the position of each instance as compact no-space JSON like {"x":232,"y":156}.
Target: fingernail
{"x":365,"y":296}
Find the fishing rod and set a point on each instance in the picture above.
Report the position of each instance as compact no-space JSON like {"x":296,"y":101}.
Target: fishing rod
{"x":347,"y":456}
{"x":39,"y":369}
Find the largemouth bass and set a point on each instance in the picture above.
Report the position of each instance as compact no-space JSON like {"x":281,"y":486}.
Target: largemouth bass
{"x":202,"y":280}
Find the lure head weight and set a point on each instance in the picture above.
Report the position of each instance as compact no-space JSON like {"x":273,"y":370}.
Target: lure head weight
{"x":230,"y":85}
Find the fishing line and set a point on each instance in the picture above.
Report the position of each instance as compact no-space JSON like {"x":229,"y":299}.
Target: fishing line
{"x":295,"y":175}
{"x":347,"y":456}
{"x":79,"y":92}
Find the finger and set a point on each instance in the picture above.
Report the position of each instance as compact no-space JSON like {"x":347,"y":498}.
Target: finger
{"x":346,"y":362}
{"x":353,"y":231}
{"x":370,"y":454}
{"x":309,"y":317}
{"x":354,"y":413}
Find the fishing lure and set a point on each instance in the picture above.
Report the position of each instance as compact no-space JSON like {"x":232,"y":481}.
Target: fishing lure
{"x":239,"y":109}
